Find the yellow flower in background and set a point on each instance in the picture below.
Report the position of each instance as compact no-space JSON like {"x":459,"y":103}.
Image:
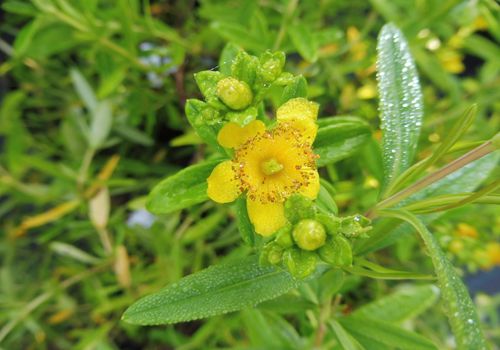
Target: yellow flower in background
{"x":269,"y":165}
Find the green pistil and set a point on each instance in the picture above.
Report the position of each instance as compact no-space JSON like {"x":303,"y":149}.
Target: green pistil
{"x":271,"y":167}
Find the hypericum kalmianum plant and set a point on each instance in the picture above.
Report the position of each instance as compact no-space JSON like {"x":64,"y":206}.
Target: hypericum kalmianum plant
{"x":270,"y":169}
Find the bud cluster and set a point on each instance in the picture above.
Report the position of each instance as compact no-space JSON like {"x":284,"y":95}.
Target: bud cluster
{"x":311,"y":236}
{"x":235,"y":95}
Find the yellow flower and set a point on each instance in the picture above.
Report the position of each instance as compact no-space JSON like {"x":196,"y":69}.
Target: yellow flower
{"x":269,"y":165}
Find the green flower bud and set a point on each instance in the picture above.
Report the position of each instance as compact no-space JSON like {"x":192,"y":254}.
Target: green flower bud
{"x":271,"y":65}
{"x":354,"y":226}
{"x":309,"y":234}
{"x":300,"y":263}
{"x":284,"y":236}
{"x":234,"y":93}
{"x":336,"y":251}
{"x":298,"y":207}
{"x":272,"y":253}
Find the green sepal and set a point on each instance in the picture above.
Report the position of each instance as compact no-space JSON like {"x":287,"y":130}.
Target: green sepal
{"x":355,"y":226}
{"x":300,"y":263}
{"x":227,"y":57}
{"x":331,"y":223}
{"x":205,"y":121}
{"x":336,"y":251}
{"x":271,"y":254}
{"x":298,"y":207}
{"x":207,"y":83}
{"x":245,"y":68}
{"x":284,"y":236}
{"x":243,"y":117}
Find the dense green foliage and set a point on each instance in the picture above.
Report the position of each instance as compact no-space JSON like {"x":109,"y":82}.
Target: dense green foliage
{"x":93,"y":115}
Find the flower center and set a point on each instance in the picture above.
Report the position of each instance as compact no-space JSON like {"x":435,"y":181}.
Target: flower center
{"x":271,"y":167}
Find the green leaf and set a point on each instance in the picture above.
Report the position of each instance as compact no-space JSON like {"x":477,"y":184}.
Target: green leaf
{"x":401,"y":105}
{"x":385,"y":333}
{"x":404,"y":304}
{"x":243,"y":221}
{"x":182,"y":190}
{"x":304,"y":41}
{"x":344,"y":338}
{"x":219,"y":289}
{"x":203,"y":119}
{"x":203,"y":227}
{"x":297,"y":88}
{"x":100,"y":126}
{"x":83,"y":89}
{"x":133,"y":135}
{"x":459,"y":307}
{"x":339,"y":138}
{"x":239,"y":35}
{"x":325,"y":198}
{"x":457,"y":131}
{"x":271,"y":332}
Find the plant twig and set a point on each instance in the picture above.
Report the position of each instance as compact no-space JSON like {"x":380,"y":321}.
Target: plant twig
{"x":459,"y":163}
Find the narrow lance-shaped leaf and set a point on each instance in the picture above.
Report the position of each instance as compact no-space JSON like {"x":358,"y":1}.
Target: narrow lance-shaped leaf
{"x":182,"y":190}
{"x":216,"y":290}
{"x":339,"y":137}
{"x":404,"y":304}
{"x":386,"y":334}
{"x":304,"y":41}
{"x":83,"y":89}
{"x":401,"y":106}
{"x":459,"y":307}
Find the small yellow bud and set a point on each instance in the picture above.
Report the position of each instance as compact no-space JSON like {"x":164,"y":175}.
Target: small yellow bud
{"x":234,"y":93}
{"x":309,"y":234}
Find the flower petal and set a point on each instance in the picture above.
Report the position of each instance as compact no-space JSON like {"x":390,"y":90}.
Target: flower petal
{"x":298,"y":108}
{"x":266,"y":218}
{"x":312,"y":188}
{"x":232,"y":135}
{"x":223,"y":186}
{"x":306,"y":127}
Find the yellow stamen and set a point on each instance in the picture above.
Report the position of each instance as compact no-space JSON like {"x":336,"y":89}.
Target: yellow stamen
{"x":271,"y":167}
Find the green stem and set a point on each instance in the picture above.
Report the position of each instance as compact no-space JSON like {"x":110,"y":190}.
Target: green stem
{"x":459,"y":163}
{"x":290,"y":9}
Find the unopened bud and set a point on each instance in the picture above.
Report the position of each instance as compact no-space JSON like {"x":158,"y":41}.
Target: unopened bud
{"x":271,"y":65}
{"x":234,"y":93}
{"x":309,"y":234}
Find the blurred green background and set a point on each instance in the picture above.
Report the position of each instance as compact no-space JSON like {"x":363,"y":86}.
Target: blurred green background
{"x":91,"y":117}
